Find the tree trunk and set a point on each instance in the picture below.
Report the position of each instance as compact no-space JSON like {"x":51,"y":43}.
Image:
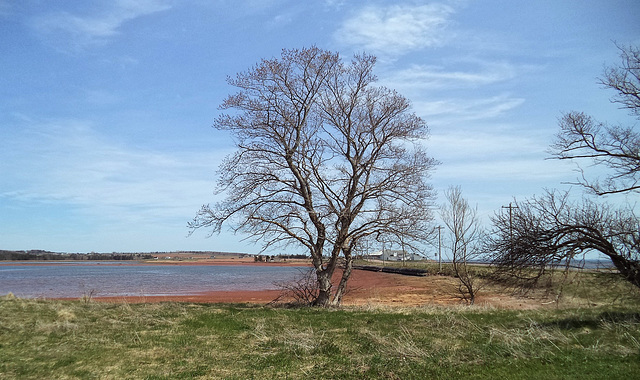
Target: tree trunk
{"x":324,"y":288}
{"x":630,"y":269}
{"x":342,"y":287}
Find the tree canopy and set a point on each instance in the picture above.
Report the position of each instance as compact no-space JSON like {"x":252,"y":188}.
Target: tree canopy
{"x":616,"y":148}
{"x":551,"y":230}
{"x":325,"y":159}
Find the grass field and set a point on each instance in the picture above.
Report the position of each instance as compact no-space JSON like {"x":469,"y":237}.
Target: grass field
{"x":44,"y":339}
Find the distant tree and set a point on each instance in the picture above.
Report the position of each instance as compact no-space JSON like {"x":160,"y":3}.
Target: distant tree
{"x":614,"y":147}
{"x":550,"y":231}
{"x":324,"y":159}
{"x":463,"y":239}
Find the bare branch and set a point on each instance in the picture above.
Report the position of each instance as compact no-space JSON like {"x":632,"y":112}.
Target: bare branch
{"x":615,"y":148}
{"x":324,"y":158}
{"x":549,"y":231}
{"x":463,"y":240}
{"x":625,"y":79}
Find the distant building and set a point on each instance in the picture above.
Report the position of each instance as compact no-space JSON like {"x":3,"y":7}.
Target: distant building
{"x":391,"y":255}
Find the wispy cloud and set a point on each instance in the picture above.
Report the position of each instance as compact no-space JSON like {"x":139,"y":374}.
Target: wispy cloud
{"x":468,"y":101}
{"x":425,"y":77}
{"x":465,"y":143}
{"x":462,"y":109}
{"x":334,"y":3}
{"x":494,"y":164}
{"x":396,"y":29}
{"x":67,"y":31}
{"x":504,"y":170}
{"x":67,"y":162}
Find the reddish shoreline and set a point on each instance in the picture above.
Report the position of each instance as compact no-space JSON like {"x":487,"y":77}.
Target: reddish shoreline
{"x":365,"y":288}
{"x":242,"y":262}
{"x":233,"y":296}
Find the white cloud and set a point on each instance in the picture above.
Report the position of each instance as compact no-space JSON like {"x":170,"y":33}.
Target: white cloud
{"x":283,"y":19}
{"x":495,"y":165}
{"x":68,"y":163}
{"x":424,"y":77}
{"x":534,"y":170}
{"x":70,"y":31}
{"x":396,"y":29}
{"x":465,"y":143}
{"x":89,"y":191}
{"x":461,"y":109}
{"x":337,"y":4}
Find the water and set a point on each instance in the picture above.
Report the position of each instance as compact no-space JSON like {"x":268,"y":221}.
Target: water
{"x":117,"y":279}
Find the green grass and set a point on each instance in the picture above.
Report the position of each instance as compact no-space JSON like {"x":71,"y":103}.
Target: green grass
{"x":87,"y":340}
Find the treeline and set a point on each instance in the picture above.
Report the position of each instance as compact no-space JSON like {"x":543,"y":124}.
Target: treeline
{"x":293,"y":256}
{"x":41,"y":255}
{"x":265,"y":258}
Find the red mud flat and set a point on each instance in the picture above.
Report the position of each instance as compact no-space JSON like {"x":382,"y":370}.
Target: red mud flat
{"x":238,"y":261}
{"x":239,"y":296}
{"x":365,"y":288}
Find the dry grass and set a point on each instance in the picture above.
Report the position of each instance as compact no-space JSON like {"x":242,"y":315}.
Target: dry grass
{"x":593,"y":335}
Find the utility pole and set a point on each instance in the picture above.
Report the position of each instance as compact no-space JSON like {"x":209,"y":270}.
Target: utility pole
{"x":439,"y":249}
{"x":510,"y":207}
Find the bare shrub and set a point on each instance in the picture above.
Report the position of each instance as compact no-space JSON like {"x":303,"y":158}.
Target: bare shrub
{"x":301,"y":291}
{"x":463,"y":240}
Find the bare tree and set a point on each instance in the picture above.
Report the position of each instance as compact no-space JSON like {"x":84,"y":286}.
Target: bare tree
{"x":625,"y":79}
{"x":550,"y":231}
{"x":614,"y":147}
{"x":325,"y":158}
{"x":463,"y":240}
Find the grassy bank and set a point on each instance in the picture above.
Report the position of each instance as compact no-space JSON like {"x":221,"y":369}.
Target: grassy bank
{"x":75,"y":339}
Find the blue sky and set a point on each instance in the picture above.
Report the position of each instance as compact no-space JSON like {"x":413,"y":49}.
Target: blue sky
{"x":106,"y":107}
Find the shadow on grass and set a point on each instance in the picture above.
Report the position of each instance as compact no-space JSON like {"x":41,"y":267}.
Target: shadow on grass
{"x":595,"y":321}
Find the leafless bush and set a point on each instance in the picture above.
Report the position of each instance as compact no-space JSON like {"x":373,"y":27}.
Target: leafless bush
{"x":462,"y":239}
{"x":301,"y":291}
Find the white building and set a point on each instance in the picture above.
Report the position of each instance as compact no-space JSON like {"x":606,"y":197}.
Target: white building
{"x":392,"y":255}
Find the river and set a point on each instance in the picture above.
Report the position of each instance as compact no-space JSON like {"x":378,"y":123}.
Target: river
{"x":120,"y":279}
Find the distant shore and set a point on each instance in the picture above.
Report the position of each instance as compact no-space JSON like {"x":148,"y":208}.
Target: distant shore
{"x":365,"y":287}
{"x":198,"y":261}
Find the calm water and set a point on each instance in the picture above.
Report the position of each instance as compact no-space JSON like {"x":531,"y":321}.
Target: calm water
{"x":128,"y":279}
